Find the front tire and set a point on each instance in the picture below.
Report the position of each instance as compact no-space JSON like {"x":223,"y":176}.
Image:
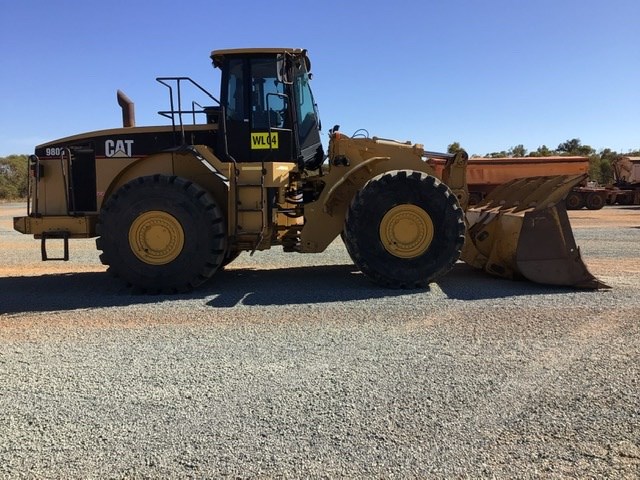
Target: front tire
{"x":162,"y":234}
{"x":404,"y":229}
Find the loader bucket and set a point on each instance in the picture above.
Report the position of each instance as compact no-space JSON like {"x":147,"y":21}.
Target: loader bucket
{"x":522,"y":230}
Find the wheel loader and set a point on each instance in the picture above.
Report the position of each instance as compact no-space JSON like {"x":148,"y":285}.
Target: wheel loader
{"x":171,"y":205}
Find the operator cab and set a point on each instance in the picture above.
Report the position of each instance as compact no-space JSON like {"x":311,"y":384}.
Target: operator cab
{"x":268,"y":112}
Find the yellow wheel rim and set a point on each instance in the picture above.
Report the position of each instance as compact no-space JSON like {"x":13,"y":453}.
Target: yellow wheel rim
{"x":156,"y":237}
{"x":406,"y":231}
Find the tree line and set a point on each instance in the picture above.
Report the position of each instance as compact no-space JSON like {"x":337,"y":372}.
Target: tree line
{"x":600,"y":163}
{"x":13,"y":177}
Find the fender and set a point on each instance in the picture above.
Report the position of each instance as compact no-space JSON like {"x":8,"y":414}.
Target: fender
{"x":324,"y":218}
{"x":349,"y":184}
{"x":187,"y":163}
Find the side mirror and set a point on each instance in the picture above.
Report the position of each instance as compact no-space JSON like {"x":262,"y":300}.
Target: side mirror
{"x":282,"y":70}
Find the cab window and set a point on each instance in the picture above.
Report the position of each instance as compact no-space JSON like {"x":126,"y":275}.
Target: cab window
{"x":268,"y":102}
{"x":235,"y":95}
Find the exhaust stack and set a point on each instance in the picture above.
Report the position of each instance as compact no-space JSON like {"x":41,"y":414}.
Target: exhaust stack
{"x":128,"y":111}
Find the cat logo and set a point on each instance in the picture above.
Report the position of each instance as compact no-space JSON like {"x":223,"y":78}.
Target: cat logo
{"x":264,"y":141}
{"x":118,"y":148}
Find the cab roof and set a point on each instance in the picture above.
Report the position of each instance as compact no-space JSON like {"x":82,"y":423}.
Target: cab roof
{"x":218,"y":55}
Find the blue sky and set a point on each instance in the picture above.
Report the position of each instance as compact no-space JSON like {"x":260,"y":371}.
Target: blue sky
{"x":489,"y":74}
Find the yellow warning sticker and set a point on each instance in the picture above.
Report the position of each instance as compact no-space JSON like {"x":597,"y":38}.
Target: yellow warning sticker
{"x":264,"y":140}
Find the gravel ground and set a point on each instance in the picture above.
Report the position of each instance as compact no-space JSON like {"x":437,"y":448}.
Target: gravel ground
{"x":296,"y":366}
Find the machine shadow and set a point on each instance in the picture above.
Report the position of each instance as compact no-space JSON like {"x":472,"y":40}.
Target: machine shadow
{"x":68,"y":291}
{"x":293,"y":285}
{"x":246,"y":286}
{"x":464,"y":282}
{"x":282,"y":286}
{"x":343,"y":283}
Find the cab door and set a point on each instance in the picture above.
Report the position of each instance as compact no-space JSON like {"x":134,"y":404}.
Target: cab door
{"x":235,"y":128}
{"x":271,"y":133}
{"x":258,"y":118}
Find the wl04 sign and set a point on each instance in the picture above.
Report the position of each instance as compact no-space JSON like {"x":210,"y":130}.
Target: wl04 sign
{"x":264,"y":140}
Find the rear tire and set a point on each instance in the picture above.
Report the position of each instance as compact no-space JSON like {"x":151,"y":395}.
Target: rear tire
{"x":162,"y":234}
{"x":230,"y":256}
{"x":404,"y":229}
{"x":574,"y":201}
{"x":594,"y":201}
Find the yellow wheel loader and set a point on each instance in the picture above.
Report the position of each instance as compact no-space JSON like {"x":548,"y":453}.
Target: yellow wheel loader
{"x":171,"y":205}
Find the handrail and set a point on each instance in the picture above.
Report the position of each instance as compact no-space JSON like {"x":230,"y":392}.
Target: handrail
{"x":33,"y":166}
{"x":171,"y":114}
